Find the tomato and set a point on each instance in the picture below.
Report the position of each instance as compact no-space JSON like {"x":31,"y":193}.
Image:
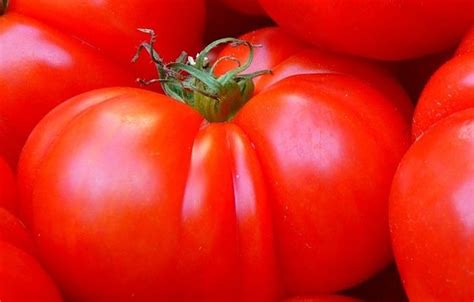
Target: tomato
{"x":111,"y":26}
{"x":323,"y":299}
{"x":8,"y":198}
{"x":449,"y":90}
{"x":22,"y":278}
{"x":251,"y":7}
{"x":288,"y":198}
{"x":14,"y":232}
{"x":431,"y":212}
{"x":388,"y":30}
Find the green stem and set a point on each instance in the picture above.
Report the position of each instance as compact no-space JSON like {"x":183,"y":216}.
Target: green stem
{"x":193,"y":82}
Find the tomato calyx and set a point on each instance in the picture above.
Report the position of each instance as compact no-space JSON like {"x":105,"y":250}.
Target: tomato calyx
{"x":191,"y":80}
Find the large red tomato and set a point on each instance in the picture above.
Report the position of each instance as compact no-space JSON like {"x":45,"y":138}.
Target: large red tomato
{"x":289,"y":197}
{"x":377,"y":29}
{"x":449,"y":90}
{"x":22,"y":279}
{"x":432,"y":213}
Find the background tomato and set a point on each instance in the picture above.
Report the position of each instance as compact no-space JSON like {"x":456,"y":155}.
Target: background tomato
{"x":431,"y":212}
{"x":22,"y":278}
{"x":254,"y":196}
{"x":389,"y":30}
{"x":449,"y":90}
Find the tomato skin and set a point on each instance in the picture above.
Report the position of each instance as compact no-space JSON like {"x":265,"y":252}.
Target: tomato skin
{"x":388,"y":30}
{"x":111,"y":26}
{"x":39,"y":69}
{"x":224,"y":193}
{"x":431,"y":212}
{"x":14,"y":232}
{"x":309,"y":212}
{"x":467,"y":45}
{"x":8,"y":194}
{"x":449,"y":90}
{"x":22,"y":279}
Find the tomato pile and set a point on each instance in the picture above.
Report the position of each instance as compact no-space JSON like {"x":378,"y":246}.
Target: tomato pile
{"x":324,"y":155}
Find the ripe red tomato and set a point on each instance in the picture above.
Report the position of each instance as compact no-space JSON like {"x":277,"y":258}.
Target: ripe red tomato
{"x":449,"y":90}
{"x":389,"y":30}
{"x":8,"y":196}
{"x":432,"y":213}
{"x":22,"y":278}
{"x":290,"y":197}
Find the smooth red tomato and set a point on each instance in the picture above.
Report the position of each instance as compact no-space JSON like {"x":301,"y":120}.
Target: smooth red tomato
{"x":8,"y":196}
{"x":250,"y":7}
{"x":388,"y":30}
{"x":14,"y":232}
{"x":449,"y":90}
{"x":22,"y":279}
{"x":323,"y":299}
{"x":111,"y":26}
{"x":432,"y":213}
{"x":290,"y":197}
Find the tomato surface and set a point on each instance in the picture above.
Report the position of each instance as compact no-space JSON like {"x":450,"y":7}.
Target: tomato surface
{"x":288,"y":198}
{"x":22,"y":279}
{"x":431,"y":213}
{"x":250,"y":7}
{"x":111,"y":26}
{"x":449,"y":90}
{"x":389,"y":30}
